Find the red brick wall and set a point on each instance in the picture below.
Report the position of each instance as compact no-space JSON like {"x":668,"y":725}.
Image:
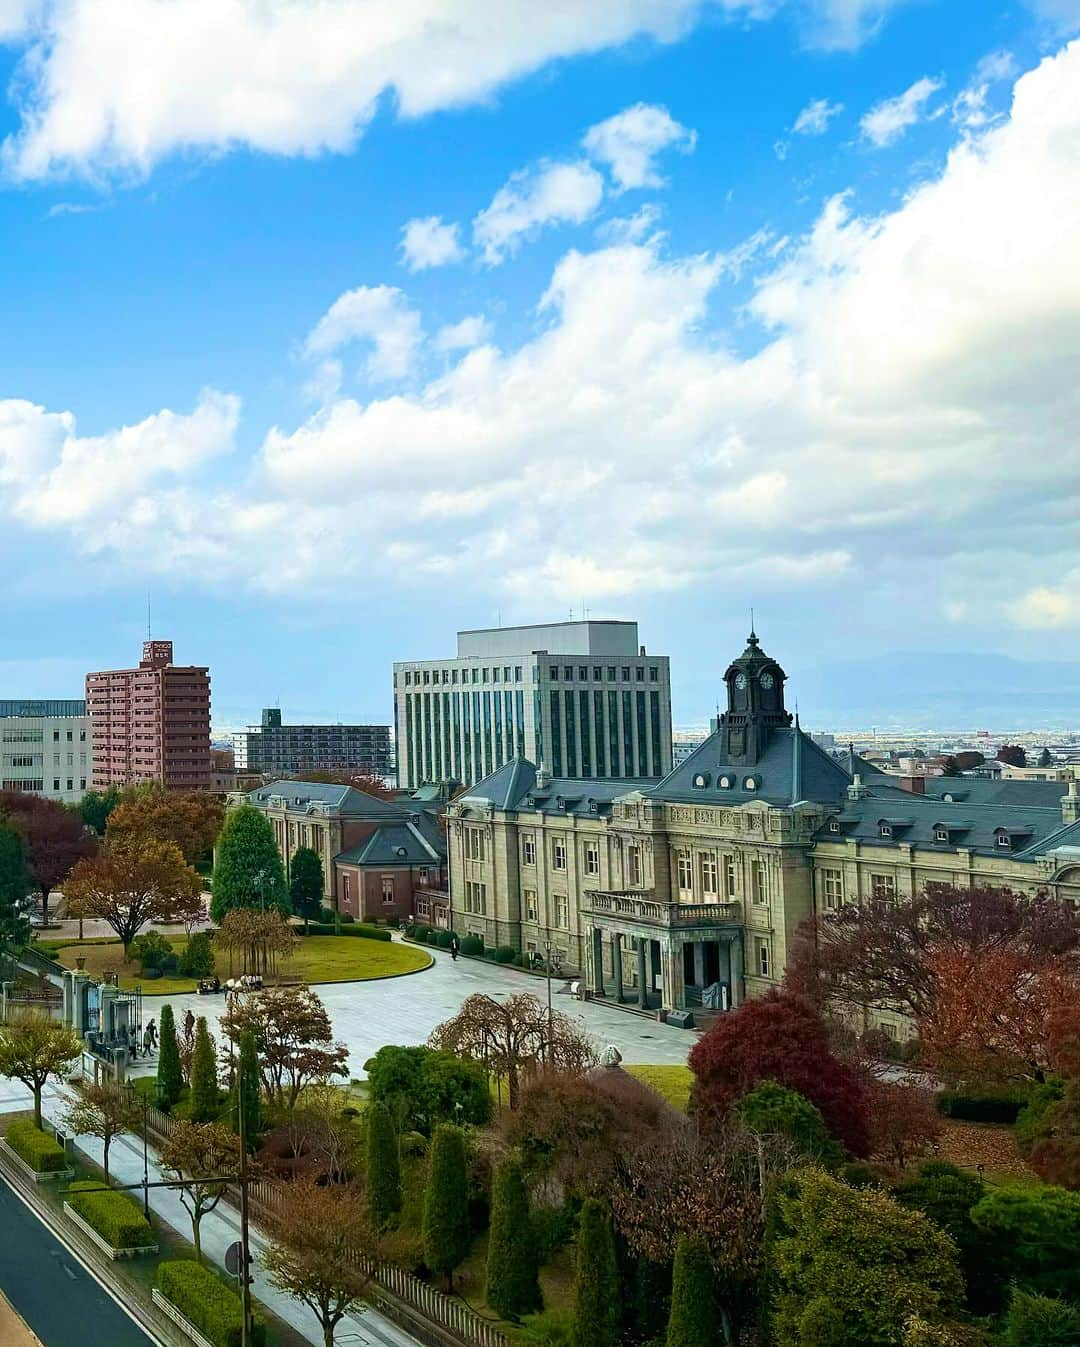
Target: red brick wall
{"x":364,"y":899}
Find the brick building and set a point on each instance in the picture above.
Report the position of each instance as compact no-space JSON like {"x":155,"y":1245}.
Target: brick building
{"x":151,"y":723}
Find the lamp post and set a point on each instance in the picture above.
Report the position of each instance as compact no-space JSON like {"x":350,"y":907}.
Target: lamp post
{"x":548,"y":961}
{"x":245,"y":1248}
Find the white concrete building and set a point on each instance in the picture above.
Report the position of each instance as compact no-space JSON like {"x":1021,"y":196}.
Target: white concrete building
{"x":45,"y":748}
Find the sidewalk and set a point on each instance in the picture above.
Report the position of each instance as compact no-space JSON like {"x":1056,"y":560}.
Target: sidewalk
{"x":219,"y":1229}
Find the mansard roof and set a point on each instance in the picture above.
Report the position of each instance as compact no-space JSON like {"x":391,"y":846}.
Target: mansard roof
{"x":344,"y":801}
{"x":792,"y":768}
{"x":416,"y":841}
{"x":515,"y":786}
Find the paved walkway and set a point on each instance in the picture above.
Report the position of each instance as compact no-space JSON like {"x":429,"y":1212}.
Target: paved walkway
{"x":219,"y":1229}
{"x":366,"y":1015}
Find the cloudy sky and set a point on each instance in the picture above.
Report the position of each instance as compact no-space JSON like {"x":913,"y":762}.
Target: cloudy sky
{"x":336,"y":325}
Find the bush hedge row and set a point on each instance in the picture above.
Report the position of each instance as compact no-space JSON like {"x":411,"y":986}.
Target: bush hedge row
{"x":42,"y":1152}
{"x":348,"y":928}
{"x":115,"y":1217}
{"x":1001,"y":1107}
{"x":201,"y":1297}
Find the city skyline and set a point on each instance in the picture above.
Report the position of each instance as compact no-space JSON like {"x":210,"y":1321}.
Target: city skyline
{"x":722,"y":305}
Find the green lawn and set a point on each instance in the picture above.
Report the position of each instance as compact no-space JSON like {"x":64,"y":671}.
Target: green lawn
{"x":673,"y":1082}
{"x":318,"y":958}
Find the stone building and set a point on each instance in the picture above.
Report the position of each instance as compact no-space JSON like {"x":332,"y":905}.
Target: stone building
{"x":687,"y":889}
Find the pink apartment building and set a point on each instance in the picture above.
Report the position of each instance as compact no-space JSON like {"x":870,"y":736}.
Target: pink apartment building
{"x":151,"y":723}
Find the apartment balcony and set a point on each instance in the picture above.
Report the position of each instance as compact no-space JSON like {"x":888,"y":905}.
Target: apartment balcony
{"x":638,"y":908}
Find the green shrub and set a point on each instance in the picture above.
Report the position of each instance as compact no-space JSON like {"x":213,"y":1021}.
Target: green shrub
{"x":357,"y":929}
{"x":505,"y":954}
{"x":512,"y":1285}
{"x":446,"y":1203}
{"x":550,"y":1329}
{"x":383,"y":1166}
{"x":197,"y":960}
{"x":1041,"y":1321}
{"x":211,"y":1306}
{"x":150,"y":949}
{"x":328,"y":916}
{"x":472,"y":944}
{"x":1001,"y":1106}
{"x":444,"y":939}
{"x":1031,"y":1121}
{"x":42,"y":1152}
{"x":347,"y":918}
{"x":596,"y":1287}
{"x":151,"y":973}
{"x":553,"y":1228}
{"x":692,"y":1322}
{"x":420,"y":932}
{"x":858,"y":1174}
{"x":410,"y":930}
{"x":115,"y":1217}
{"x":433,"y":937}
{"x":490,"y":954}
{"x":169,"y":966}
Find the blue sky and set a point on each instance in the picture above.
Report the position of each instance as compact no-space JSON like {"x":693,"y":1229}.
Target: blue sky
{"x":702,"y":306}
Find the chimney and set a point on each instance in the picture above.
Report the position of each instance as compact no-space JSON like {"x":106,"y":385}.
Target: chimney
{"x":915,"y":784}
{"x":857,"y":791}
{"x":1070,"y":804}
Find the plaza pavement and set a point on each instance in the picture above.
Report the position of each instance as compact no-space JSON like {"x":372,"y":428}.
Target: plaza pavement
{"x":367,"y":1015}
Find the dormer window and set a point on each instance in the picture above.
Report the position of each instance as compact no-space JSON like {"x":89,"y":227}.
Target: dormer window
{"x":751,"y":783}
{"x":1004,"y":840}
{"x":834,"y":827}
{"x":885,"y":829}
{"x":725,"y":783}
{"x":941,"y":834}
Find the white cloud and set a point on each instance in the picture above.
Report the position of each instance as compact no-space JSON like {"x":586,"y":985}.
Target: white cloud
{"x":969,"y":107}
{"x":630,"y":142}
{"x":429,"y":242}
{"x":636,"y":228}
{"x":53,"y":476}
{"x":551,"y":194}
{"x":815,"y":117}
{"x":379,"y":314}
{"x":843,"y":25}
{"x":109,"y":86}
{"x":887,"y":121}
{"x":901,"y":432}
{"x":1064,"y":15}
{"x":472,"y":331}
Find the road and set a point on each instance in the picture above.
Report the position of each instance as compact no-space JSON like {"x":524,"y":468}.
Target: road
{"x":51,"y":1289}
{"x":365,"y":1015}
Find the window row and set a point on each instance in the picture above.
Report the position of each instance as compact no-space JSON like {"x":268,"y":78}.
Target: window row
{"x":505,"y":673}
{"x":609,"y":673}
{"x":590,"y":854}
{"x":713,"y":870}
{"x":560,"y":912}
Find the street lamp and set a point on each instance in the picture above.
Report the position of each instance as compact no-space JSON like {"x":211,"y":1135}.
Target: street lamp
{"x":232,"y":996}
{"x":549,"y":962}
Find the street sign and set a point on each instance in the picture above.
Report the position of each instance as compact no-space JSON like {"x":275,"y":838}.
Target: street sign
{"x":234,"y":1258}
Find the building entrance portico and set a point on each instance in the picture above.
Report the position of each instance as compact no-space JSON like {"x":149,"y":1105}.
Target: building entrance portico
{"x":661,"y":955}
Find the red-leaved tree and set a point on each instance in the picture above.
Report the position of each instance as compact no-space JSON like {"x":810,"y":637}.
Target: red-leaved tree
{"x":778,"y":1037}
{"x":54,"y":839}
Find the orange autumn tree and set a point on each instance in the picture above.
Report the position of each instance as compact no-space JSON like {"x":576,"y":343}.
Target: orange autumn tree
{"x":996,"y":1013}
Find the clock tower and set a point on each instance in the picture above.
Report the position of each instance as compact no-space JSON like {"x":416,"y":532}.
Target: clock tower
{"x":755,"y":705}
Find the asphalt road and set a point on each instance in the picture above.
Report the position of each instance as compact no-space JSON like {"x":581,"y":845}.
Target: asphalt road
{"x":51,"y":1289}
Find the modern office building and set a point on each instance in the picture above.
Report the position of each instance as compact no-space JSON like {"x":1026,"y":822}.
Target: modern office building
{"x":286,"y":750}
{"x":45,"y":748}
{"x":151,"y":723}
{"x":582,"y":699}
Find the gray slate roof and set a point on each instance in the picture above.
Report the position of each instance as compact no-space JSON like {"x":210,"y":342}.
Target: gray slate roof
{"x":394,"y":845}
{"x":513,"y":786}
{"x":344,"y":800}
{"x":792,"y":768}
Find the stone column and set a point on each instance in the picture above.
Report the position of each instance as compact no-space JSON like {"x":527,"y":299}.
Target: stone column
{"x":672,"y":981}
{"x":598,"y":960}
{"x":699,"y":965}
{"x":735,"y":951}
{"x":616,"y":960}
{"x":642,"y":976}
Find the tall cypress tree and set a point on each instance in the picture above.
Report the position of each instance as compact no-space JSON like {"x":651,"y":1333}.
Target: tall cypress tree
{"x":247,"y":869}
{"x":170,"y":1077}
{"x":596,"y":1290}
{"x":204,"y":1079}
{"x":247,"y":1089}
{"x":512,"y":1285}
{"x":692,"y":1322}
{"x":383,"y":1166}
{"x":446,"y":1203}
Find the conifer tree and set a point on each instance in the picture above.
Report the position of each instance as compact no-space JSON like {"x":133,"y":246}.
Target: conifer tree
{"x":446,"y":1203}
{"x":170,"y":1076}
{"x":512,"y":1285}
{"x":204,"y":1081}
{"x":247,"y":1092}
{"x":247,"y":869}
{"x":383,"y":1166}
{"x":692,"y":1322}
{"x":595,"y":1320}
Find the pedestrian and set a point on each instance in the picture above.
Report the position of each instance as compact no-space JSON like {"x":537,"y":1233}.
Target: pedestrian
{"x":150,"y":1039}
{"x":455,"y":946}
{"x":189,"y":1025}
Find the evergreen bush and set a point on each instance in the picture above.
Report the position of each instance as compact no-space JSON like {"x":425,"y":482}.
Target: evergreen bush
{"x":472,"y":944}
{"x":207,"y":1302}
{"x":197,"y":960}
{"x":596,"y":1288}
{"x":169,"y":1073}
{"x":42,"y":1152}
{"x":505,"y":954}
{"x":383,"y":1166}
{"x":115,"y":1217}
{"x":512,"y":1285}
{"x":446,"y":1203}
{"x":1041,"y":1321}
{"x":692,"y":1321}
{"x":248,"y":1089}
{"x":204,"y":1079}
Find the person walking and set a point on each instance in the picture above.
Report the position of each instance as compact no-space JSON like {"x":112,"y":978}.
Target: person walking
{"x":189,"y":1026}
{"x":150,"y":1038}
{"x":455,"y":946}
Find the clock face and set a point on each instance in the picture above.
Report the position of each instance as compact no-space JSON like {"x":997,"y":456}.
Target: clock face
{"x":740,"y":681}
{"x":766,"y":680}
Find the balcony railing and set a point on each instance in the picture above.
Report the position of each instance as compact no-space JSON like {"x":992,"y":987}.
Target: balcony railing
{"x":635,"y":906}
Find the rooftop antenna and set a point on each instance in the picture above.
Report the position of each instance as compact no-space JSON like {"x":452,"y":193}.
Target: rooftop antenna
{"x":751,"y":622}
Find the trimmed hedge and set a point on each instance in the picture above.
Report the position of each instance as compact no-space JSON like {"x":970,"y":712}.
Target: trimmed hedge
{"x":444,"y":939}
{"x":42,"y":1152}
{"x":357,"y":928}
{"x":996,"y":1108}
{"x":115,"y":1217}
{"x":207,"y":1302}
{"x":472,"y":944}
{"x":505,"y":954}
